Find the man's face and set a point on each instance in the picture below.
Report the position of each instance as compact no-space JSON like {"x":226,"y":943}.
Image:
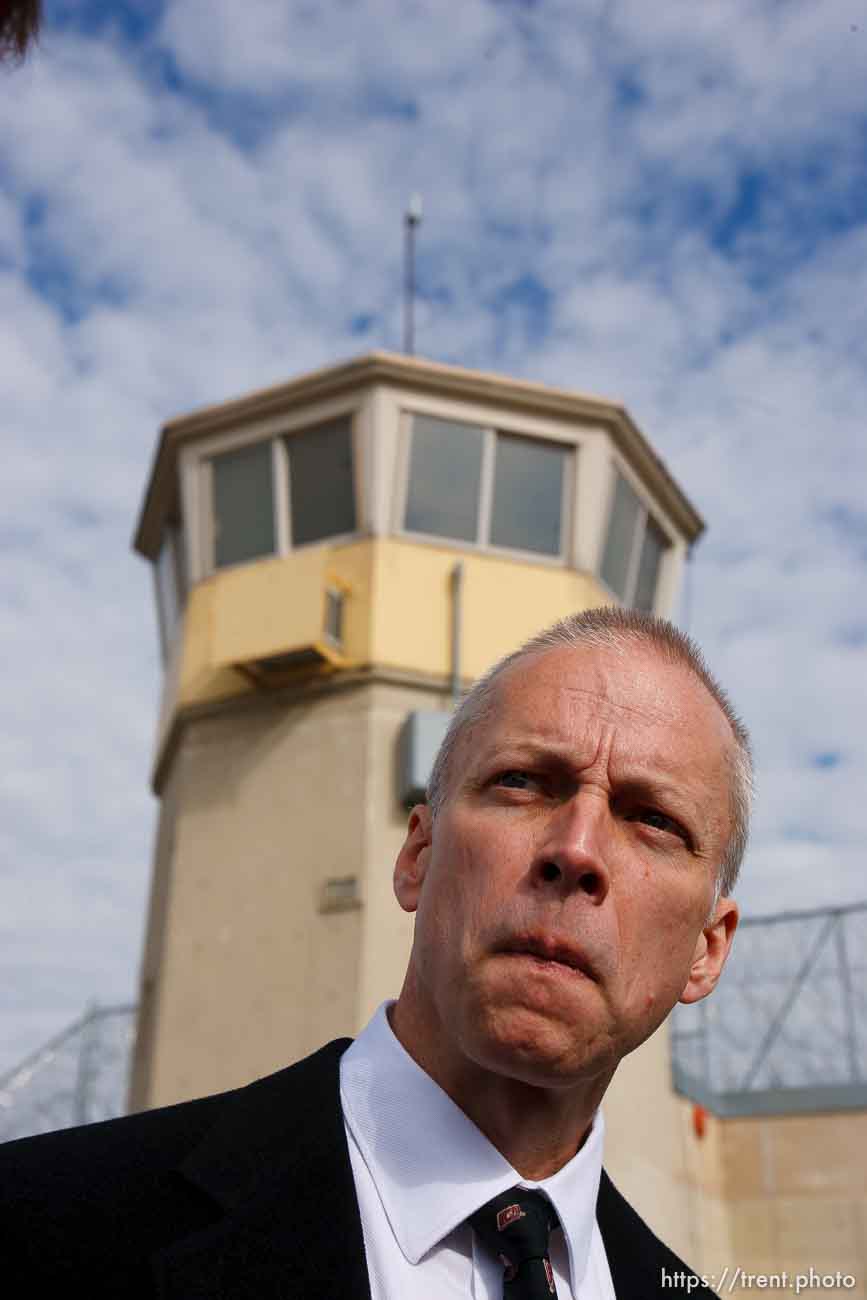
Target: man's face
{"x":562,"y":896}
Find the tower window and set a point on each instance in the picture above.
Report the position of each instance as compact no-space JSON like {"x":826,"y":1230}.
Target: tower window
{"x":271,"y":496}
{"x":243,"y":505}
{"x":334,"y":602}
{"x":171,"y":584}
{"x":653,"y":548}
{"x":634,"y":549}
{"x":528,"y":493}
{"x":321,"y":489}
{"x":478,"y":485}
{"x":444,"y":479}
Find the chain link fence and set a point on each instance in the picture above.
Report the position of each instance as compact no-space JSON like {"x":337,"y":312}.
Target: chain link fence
{"x":785,"y":1031}
{"x":76,"y":1078}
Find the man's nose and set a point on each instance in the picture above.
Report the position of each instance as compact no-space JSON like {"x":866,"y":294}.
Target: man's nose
{"x":574,"y":851}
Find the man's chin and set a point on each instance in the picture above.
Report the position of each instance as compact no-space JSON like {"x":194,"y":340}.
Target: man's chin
{"x":535,"y":1048}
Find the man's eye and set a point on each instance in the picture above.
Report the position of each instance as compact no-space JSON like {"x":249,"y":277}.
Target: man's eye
{"x":513,"y":780}
{"x":658,"y":820}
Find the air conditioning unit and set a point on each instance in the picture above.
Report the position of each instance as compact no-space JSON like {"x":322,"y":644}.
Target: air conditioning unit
{"x":420,"y":737}
{"x":326,"y":650}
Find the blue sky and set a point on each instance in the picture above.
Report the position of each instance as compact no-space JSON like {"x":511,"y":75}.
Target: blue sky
{"x":662,"y":204}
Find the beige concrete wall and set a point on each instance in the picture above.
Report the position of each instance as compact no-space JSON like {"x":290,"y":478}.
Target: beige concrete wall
{"x":766,"y":1196}
{"x":253,"y":974}
{"x":386,"y":929}
{"x":151,"y":972}
{"x":795,"y":1188}
{"x":273,"y":799}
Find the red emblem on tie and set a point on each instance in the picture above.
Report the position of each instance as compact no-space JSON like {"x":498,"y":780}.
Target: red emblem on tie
{"x":509,"y":1215}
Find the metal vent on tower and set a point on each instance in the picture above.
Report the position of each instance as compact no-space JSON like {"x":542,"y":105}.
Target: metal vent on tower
{"x":420,"y":738}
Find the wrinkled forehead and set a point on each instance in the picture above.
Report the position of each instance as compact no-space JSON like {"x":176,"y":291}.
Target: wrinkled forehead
{"x":571,"y":694}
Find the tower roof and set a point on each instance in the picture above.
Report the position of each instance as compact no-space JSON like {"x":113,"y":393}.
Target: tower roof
{"x":414,"y":374}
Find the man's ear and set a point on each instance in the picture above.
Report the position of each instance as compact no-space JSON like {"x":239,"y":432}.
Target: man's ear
{"x":711,"y":951}
{"x":413,"y":858}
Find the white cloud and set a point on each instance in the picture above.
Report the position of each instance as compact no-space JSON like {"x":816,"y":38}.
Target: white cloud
{"x":269,"y":49}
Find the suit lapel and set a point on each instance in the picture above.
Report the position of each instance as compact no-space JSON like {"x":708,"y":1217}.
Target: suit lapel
{"x":277,"y":1163}
{"x":636,"y":1257}
{"x":628,"y":1244}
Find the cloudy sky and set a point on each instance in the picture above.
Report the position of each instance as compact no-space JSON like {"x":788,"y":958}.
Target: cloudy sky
{"x":666,"y":204}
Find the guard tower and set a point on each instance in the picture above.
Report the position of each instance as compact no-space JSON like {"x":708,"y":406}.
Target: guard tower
{"x":333,"y":558}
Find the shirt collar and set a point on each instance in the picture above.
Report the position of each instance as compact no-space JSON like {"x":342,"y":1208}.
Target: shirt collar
{"x":431,"y":1166}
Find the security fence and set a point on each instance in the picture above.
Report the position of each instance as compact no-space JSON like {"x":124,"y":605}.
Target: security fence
{"x":76,"y":1078}
{"x":785,"y":1031}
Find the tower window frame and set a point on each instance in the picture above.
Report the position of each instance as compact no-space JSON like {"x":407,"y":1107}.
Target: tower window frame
{"x":484,"y":506}
{"x":170,"y":583}
{"x":278,"y":436}
{"x":645,"y":517}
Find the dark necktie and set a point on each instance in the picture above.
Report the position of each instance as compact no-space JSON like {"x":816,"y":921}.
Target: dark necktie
{"x":516,"y":1226}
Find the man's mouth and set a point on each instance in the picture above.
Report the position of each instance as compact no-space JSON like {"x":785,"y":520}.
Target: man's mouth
{"x":547,"y":948}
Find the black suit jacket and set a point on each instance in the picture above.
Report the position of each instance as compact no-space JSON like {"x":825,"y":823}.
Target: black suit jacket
{"x":247,"y":1194}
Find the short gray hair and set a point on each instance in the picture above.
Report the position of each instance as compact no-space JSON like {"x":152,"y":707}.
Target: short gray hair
{"x":611,"y":627}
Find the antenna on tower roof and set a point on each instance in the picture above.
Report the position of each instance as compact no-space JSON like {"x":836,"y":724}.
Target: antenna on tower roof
{"x":412,"y":219}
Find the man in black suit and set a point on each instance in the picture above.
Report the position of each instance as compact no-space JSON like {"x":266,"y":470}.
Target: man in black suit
{"x":571,"y":876}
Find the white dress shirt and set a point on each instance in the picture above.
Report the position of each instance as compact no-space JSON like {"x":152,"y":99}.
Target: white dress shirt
{"x":421,"y":1167}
